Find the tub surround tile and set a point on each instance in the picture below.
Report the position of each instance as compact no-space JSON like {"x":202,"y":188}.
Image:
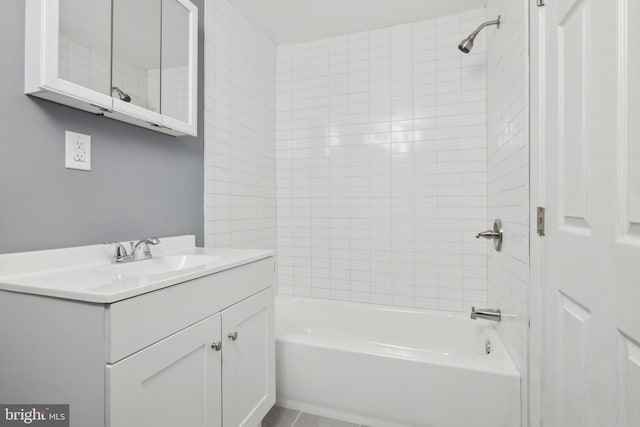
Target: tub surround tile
{"x":381,"y":167}
{"x":280,"y":417}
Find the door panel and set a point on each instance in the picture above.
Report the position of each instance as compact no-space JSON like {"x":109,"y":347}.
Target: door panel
{"x":629,"y":94}
{"x":629,"y":381}
{"x":573,"y":55}
{"x":175,"y":382}
{"x":248,"y":365}
{"x":573,"y":344}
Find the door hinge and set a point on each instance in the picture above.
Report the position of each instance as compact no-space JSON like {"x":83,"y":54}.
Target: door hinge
{"x":540,"y":3}
{"x":540,"y":221}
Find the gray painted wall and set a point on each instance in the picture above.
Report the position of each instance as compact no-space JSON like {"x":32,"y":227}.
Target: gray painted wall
{"x":143,"y":183}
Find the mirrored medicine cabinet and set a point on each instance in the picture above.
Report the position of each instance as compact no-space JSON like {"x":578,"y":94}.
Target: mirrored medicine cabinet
{"x":132,"y":60}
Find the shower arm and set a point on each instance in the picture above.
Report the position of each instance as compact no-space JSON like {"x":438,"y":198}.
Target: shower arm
{"x":485,"y":24}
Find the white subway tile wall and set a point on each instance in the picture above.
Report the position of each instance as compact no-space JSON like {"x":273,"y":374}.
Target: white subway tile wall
{"x":381,"y":166}
{"x":508,"y":173}
{"x":240,"y":191}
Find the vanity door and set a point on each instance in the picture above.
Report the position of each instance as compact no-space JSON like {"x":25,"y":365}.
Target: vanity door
{"x":248,"y":367}
{"x":175,"y":382}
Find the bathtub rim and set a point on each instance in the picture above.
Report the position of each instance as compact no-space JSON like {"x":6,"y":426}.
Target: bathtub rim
{"x":384,"y":307}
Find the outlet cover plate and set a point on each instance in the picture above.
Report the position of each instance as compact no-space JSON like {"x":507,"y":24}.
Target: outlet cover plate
{"x":77,"y":151}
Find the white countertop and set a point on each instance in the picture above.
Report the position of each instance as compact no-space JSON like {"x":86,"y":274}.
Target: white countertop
{"x":87,"y":274}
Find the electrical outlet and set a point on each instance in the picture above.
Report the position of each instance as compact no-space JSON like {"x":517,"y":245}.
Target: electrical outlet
{"x":77,"y":151}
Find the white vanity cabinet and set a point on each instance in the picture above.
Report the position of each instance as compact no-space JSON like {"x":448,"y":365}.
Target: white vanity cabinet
{"x":218,"y":372}
{"x":200,"y":353}
{"x":135,"y":61}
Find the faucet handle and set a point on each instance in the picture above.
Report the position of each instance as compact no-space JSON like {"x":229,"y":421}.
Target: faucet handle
{"x":120,"y":254}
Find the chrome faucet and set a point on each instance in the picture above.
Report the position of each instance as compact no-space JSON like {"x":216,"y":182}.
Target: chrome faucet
{"x":486,"y":313}
{"x":139,"y":251}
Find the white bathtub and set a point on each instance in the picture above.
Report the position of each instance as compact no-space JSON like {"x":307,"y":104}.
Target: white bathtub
{"x":387,"y":366}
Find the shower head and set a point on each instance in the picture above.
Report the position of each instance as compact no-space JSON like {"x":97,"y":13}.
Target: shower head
{"x":123,"y":96}
{"x":467,"y":44}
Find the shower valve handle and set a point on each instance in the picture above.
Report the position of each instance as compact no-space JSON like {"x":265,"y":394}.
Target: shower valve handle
{"x":494,"y":234}
{"x":489,"y":234}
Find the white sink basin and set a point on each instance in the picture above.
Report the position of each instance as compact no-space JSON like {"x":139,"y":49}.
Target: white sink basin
{"x":161,"y":265}
{"x":85,"y":273}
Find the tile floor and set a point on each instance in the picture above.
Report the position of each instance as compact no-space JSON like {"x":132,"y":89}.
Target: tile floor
{"x":283,"y":417}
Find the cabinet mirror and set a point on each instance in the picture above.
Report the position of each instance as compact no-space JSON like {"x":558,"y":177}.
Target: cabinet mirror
{"x":175,"y":60}
{"x":84,"y":52}
{"x":136,"y":52}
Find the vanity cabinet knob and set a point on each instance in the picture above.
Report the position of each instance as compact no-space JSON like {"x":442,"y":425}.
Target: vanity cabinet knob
{"x":233,"y":336}
{"x":217,"y":346}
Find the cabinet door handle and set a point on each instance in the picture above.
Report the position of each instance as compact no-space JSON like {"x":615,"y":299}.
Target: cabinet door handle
{"x":233,"y":336}
{"x":217,"y":346}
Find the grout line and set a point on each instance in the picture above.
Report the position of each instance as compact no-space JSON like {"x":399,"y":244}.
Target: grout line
{"x":296,"y":420}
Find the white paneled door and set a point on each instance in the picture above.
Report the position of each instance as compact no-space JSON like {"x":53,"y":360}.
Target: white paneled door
{"x":590,"y":116}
